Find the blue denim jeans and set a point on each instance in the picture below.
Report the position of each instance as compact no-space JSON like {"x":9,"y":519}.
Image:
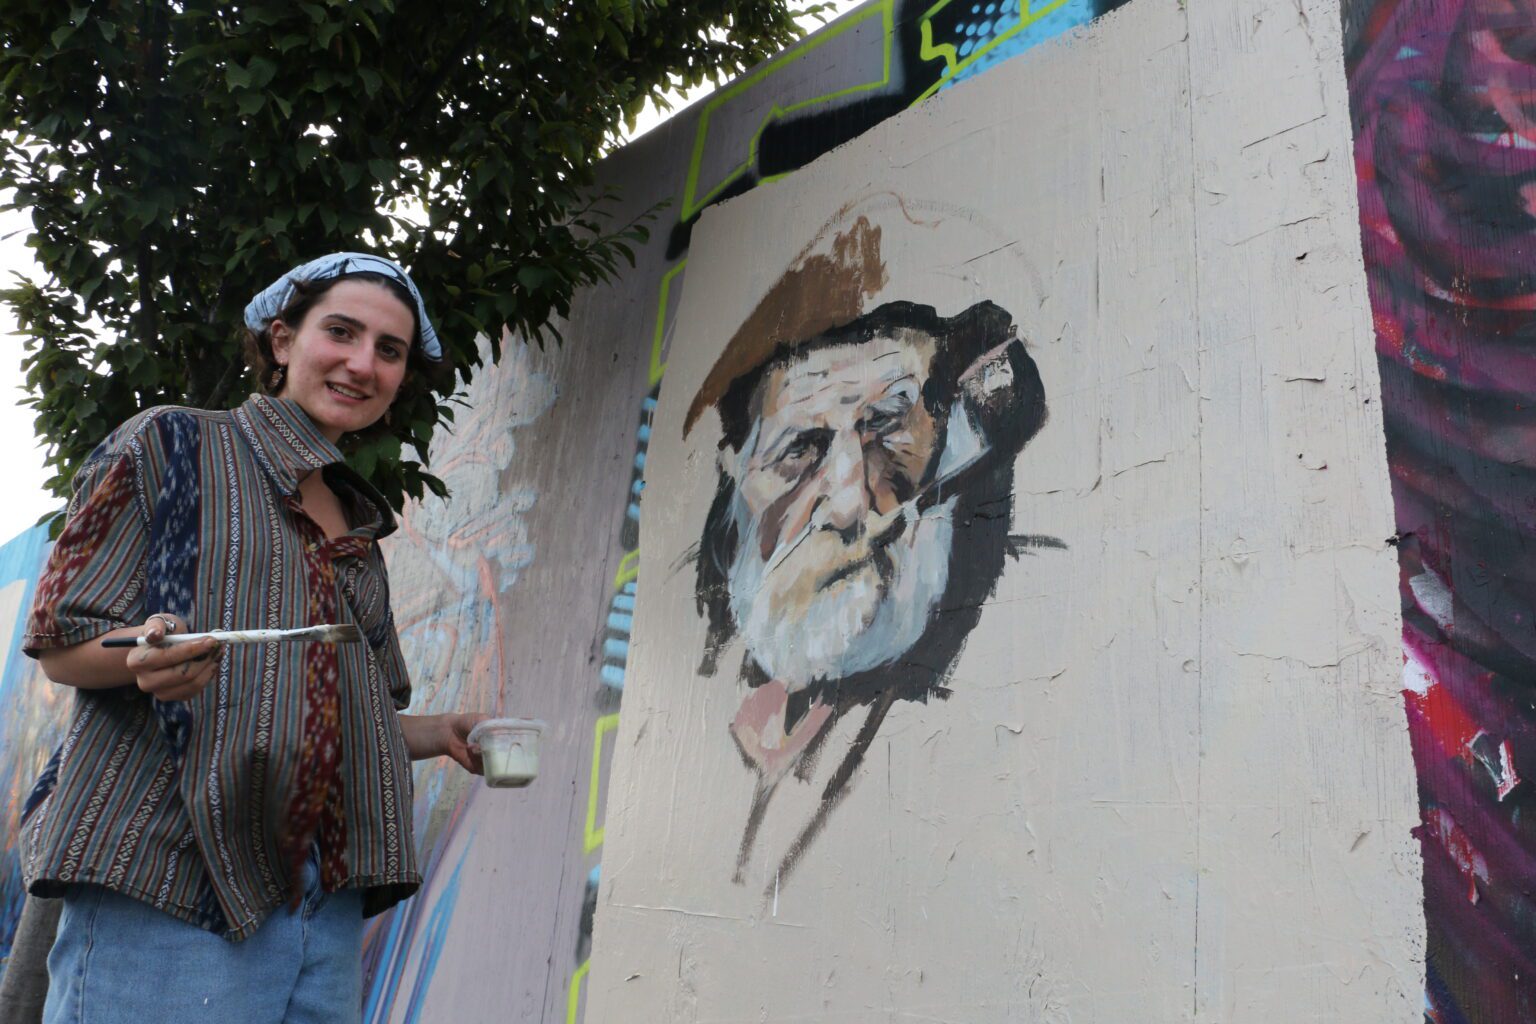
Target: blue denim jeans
{"x":119,"y":961}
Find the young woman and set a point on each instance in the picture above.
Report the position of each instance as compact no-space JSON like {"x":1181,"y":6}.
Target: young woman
{"x":219,"y":821}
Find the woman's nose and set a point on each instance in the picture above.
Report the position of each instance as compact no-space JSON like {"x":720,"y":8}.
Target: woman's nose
{"x":361,"y":362}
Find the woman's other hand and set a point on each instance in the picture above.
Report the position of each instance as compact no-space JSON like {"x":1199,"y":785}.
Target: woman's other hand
{"x":443,"y":736}
{"x":177,"y":672}
{"x":456,"y":737}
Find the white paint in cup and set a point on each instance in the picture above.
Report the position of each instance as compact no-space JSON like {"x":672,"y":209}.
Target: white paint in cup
{"x":509,"y":750}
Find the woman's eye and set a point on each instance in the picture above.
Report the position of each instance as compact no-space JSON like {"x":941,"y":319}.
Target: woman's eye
{"x":337,"y":331}
{"x":390,"y":352}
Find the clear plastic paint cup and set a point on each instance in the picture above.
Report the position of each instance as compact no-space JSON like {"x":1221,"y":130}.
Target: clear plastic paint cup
{"x":509,"y":750}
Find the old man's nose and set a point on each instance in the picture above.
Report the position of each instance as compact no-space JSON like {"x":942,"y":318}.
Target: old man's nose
{"x":843,"y":502}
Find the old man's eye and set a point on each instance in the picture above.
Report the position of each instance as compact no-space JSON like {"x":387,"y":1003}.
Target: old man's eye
{"x":810,"y":444}
{"x":882,"y":419}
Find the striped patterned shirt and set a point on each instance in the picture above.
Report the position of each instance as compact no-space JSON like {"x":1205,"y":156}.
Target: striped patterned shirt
{"x":186,"y":805}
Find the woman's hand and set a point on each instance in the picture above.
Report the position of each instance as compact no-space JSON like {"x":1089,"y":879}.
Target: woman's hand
{"x":443,"y":736}
{"x":170,"y":673}
{"x":178,"y":672}
{"x":456,"y":740}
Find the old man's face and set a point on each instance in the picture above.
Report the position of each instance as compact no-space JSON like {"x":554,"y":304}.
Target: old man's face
{"x":836,"y":571}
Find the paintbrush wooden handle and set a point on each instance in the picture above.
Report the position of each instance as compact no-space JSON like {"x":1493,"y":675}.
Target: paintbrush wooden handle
{"x":176,"y":639}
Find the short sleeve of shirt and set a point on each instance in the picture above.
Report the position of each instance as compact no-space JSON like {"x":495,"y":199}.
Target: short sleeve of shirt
{"x":392,"y":668}
{"x":371,"y":601}
{"x":94,"y":579}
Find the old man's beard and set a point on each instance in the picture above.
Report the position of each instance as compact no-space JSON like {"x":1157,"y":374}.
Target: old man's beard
{"x":822,"y":607}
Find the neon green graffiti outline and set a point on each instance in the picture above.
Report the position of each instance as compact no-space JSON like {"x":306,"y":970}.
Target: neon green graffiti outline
{"x":659,"y":368}
{"x":590,"y":841}
{"x":594,"y":835}
{"x":629,"y":569}
{"x":573,"y":1000}
{"x":692,"y":204}
{"x":952,"y":65}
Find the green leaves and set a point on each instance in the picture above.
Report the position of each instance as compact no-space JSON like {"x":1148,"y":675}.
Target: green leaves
{"x":178,"y":157}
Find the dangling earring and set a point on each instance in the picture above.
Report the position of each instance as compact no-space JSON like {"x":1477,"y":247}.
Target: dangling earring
{"x":389,"y":417}
{"x":275,"y":382}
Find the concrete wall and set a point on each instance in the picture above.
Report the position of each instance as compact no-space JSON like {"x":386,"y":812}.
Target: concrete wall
{"x":1168,"y":779}
{"x":541,"y":543}
{"x":1155,"y":767}
{"x":516,"y":597}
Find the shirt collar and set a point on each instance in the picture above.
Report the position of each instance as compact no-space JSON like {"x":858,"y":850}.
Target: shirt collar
{"x":289,"y":446}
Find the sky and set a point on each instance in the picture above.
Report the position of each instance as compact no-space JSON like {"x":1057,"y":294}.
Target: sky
{"x":21,"y":456}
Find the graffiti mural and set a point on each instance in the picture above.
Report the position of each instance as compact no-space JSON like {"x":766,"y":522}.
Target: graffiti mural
{"x":33,"y":714}
{"x":862,"y":513}
{"x":1443,"y":97}
{"x":470,"y":551}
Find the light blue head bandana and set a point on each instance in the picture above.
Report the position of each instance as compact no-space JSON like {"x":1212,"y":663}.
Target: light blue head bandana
{"x":260,"y":311}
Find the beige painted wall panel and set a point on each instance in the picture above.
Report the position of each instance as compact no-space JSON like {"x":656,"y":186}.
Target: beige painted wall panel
{"x":1309,"y":891}
{"x":1145,"y":793}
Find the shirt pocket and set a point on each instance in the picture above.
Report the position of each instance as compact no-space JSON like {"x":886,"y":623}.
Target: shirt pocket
{"x":367,"y":595}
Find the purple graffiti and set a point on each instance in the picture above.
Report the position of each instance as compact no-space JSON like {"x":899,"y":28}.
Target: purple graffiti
{"x":1443,"y":95}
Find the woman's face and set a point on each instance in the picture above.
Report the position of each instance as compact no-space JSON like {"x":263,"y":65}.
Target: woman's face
{"x":346,"y":358}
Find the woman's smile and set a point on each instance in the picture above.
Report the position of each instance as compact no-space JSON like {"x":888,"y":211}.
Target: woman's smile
{"x":346,"y":393}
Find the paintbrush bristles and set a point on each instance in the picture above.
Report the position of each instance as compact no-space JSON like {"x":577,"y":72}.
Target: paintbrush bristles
{"x":348,"y":634}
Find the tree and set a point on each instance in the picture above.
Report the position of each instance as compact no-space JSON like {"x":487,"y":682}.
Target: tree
{"x":177,"y":155}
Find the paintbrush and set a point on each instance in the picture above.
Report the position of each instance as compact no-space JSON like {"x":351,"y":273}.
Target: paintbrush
{"x":310,"y":634}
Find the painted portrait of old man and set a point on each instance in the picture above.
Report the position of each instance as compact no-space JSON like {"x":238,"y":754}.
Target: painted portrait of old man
{"x":863,"y":509}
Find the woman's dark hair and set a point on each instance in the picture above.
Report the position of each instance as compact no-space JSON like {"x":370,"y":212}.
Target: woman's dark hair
{"x":256,"y":346}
